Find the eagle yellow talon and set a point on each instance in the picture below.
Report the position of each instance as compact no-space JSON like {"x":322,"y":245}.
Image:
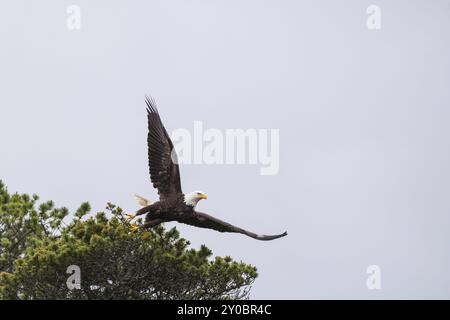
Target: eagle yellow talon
{"x":130,"y":217}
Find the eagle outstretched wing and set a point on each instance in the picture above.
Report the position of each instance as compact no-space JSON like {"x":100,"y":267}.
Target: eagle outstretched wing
{"x":204,"y":220}
{"x":162,"y":158}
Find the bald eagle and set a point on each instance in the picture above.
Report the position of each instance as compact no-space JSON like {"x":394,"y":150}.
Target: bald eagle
{"x":173,"y":204}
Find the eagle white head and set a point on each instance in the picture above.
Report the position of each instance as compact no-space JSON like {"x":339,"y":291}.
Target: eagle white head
{"x":192,"y":198}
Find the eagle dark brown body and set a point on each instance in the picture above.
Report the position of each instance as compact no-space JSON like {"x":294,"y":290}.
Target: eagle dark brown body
{"x":172,"y":209}
{"x":173,"y":204}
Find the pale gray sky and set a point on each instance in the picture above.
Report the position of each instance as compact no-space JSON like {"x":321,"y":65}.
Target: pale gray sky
{"x":363,"y":116}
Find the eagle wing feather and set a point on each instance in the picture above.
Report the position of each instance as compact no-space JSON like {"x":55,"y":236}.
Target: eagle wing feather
{"x":203,"y":220}
{"x":162,"y":157}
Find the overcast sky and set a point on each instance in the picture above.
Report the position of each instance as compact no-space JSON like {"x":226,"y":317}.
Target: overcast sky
{"x":363,"y":116}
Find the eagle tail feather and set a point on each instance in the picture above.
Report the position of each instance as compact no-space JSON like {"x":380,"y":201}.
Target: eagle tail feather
{"x":143,"y":202}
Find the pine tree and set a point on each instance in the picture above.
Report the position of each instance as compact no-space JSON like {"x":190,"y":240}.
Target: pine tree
{"x":39,"y":242}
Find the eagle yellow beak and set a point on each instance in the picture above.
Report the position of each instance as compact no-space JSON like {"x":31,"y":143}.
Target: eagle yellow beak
{"x":203,"y":196}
